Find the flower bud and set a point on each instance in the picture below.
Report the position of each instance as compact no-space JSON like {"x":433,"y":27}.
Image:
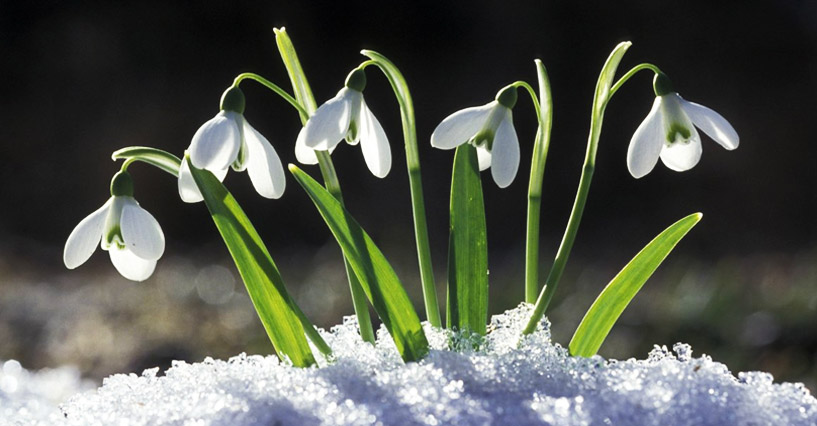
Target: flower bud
{"x":507,"y":97}
{"x":356,"y":80}
{"x":233,"y":100}
{"x":122,"y":185}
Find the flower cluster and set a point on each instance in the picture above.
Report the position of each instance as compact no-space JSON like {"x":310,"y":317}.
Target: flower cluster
{"x":134,"y":239}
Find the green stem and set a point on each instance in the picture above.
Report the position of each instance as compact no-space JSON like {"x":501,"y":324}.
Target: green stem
{"x":158,"y":158}
{"x":401,"y":92}
{"x":633,"y":71}
{"x":272,"y":86}
{"x":600,"y":100}
{"x":544,"y":115}
{"x":307,"y":104}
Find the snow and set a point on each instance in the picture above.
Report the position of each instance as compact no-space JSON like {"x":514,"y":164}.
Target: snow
{"x":465,"y":380}
{"x":31,"y":398}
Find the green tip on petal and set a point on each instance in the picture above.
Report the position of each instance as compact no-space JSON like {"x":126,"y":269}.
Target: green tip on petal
{"x":233,"y":100}
{"x":122,"y":185}
{"x":676,"y":130}
{"x":662,"y":85}
{"x":507,"y":97}
{"x":356,"y":80}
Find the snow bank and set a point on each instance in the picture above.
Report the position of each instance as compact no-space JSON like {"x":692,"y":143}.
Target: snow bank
{"x":505,"y":381}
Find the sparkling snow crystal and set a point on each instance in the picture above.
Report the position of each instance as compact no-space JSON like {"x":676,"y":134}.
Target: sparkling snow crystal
{"x":497,"y":379}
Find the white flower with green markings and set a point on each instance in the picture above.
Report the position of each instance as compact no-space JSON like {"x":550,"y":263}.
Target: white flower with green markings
{"x":346,"y":116}
{"x":229,"y":140}
{"x":669,"y":132}
{"x":121,"y":227}
{"x":490,"y":129}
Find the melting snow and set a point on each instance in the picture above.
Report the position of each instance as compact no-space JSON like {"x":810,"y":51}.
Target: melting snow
{"x":493,"y":380}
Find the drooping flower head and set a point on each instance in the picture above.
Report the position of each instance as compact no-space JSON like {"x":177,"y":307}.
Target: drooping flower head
{"x":346,"y":116}
{"x":669,"y":132}
{"x":121,"y":227}
{"x":490,"y":129}
{"x":228,"y":140}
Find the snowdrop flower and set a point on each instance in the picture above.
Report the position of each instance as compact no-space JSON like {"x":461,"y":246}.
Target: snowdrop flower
{"x":229,"y":140}
{"x":490,"y":129}
{"x":346,"y":116}
{"x":126,"y":231}
{"x":668,"y":132}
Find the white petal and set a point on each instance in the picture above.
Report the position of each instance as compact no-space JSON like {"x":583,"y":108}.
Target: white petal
{"x":645,"y":146}
{"x":483,"y":158}
{"x":130,"y":265}
{"x":373,"y":142}
{"x":682,"y":156}
{"x":330,"y":122}
{"x":85,"y":237}
{"x":303,"y":153}
{"x":712,"y":123}
{"x":263,"y":164}
{"x":215,"y":145}
{"x":505,"y":152}
{"x":188,"y":190}
{"x":141,"y":232}
{"x":461,"y":126}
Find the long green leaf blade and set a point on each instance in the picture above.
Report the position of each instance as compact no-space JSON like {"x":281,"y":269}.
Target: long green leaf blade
{"x":467,"y":246}
{"x":264,"y":283}
{"x":378,"y":279}
{"x":605,"y":311}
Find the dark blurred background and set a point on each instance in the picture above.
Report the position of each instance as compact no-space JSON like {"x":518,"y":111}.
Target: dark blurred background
{"x":81,"y":79}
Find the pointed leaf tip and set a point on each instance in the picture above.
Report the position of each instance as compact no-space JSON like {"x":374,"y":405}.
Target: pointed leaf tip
{"x":608,"y":306}
{"x":293,"y":168}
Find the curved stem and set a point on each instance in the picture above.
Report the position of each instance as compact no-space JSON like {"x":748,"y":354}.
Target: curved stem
{"x":158,"y":158}
{"x":633,"y":71}
{"x":600,"y":99}
{"x":306,"y":106}
{"x":544,"y":114}
{"x":127,"y":163}
{"x":401,"y":92}
{"x":272,"y":86}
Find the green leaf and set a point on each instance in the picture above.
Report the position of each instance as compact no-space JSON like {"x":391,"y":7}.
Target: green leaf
{"x":156,"y":157}
{"x":467,"y":246}
{"x":605,"y":311}
{"x":381,"y":284}
{"x":274,"y":306}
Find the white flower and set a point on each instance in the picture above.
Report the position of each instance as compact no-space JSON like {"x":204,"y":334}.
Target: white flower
{"x":346,"y":116}
{"x":229,"y":140}
{"x":125,"y":230}
{"x":668,"y":133}
{"x":490,"y":129}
